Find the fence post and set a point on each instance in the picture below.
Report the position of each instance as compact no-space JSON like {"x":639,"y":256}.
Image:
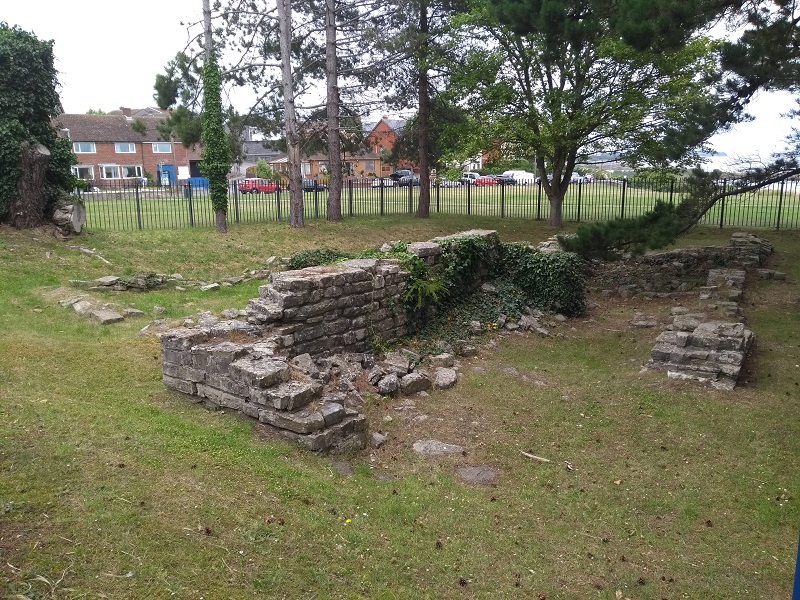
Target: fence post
{"x":235,"y":201}
{"x":316,"y":205}
{"x":671,"y":189}
{"x":174,"y":190}
{"x":580,"y":189}
{"x":502,"y":199}
{"x":438,"y":187}
{"x":780,"y":206}
{"x":469,"y":198}
{"x":349,"y":196}
{"x":624,"y":187}
{"x":722,"y":205}
{"x":278,"y":201}
{"x":411,"y":196}
{"x":138,"y":205}
{"x":381,"y":195}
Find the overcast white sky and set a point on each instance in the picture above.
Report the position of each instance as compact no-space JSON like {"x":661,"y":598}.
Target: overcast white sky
{"x":108,"y":56}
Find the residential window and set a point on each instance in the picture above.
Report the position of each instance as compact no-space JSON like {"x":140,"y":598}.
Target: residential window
{"x":109,"y":171}
{"x":132,"y":171}
{"x":369,"y":166}
{"x":125,"y":148}
{"x":162,"y":148}
{"x":83,"y":172}
{"x":306,"y":168}
{"x":83,"y":147}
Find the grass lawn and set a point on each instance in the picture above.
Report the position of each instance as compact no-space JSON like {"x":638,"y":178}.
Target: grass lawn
{"x":113,"y":487}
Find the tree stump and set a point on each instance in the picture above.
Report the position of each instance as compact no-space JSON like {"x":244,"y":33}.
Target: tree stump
{"x":27,"y":208}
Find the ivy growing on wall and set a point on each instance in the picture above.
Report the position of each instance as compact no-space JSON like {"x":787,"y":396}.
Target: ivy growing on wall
{"x":28,"y":104}
{"x":443,"y":300}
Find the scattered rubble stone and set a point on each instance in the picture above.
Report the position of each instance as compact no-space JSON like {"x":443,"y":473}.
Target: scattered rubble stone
{"x":105,"y":316}
{"x":377,"y":439}
{"x":436,"y":448}
{"x":108,"y":280}
{"x":642,"y":321}
{"x":445,"y":378}
{"x":414,"y":382}
{"x":478,"y":475}
{"x":388,"y":384}
{"x":81,"y":306}
{"x":442,"y":360}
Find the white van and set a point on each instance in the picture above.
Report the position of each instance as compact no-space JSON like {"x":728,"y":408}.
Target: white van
{"x":469,"y":177}
{"x":521,"y":177}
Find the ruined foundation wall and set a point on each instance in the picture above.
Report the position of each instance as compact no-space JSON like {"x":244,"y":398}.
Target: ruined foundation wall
{"x":321,"y":311}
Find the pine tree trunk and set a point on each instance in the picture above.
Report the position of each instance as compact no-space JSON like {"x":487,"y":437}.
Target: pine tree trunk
{"x":332,"y":108}
{"x":26,"y":210}
{"x":292,"y":135}
{"x":424,"y":206}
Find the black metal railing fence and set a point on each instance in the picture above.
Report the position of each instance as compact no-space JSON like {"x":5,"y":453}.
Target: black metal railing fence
{"x":132,"y":206}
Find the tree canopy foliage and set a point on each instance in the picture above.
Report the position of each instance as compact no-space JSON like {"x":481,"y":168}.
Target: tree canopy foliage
{"x":557,"y":81}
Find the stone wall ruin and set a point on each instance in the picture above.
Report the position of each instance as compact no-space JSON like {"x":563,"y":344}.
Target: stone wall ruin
{"x":267,"y":366}
{"x":697,"y":346}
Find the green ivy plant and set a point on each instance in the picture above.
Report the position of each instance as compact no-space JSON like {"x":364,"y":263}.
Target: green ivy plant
{"x":522,"y":276}
{"x":216,"y":153}
{"x":28,"y":104}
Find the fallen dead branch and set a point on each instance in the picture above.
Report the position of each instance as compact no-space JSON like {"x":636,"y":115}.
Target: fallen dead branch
{"x":534,"y":457}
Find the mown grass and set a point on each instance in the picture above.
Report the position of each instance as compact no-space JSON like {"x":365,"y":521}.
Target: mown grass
{"x":111,"y":486}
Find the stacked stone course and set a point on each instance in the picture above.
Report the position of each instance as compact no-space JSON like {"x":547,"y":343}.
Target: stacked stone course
{"x":332,"y":309}
{"x":245,"y":365}
{"x":713,"y":351}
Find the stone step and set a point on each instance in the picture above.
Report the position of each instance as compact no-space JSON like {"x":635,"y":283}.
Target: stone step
{"x":305,"y":421}
{"x":348,"y":435}
{"x":264,"y":310}
{"x":260,"y":373}
{"x":289,"y":395}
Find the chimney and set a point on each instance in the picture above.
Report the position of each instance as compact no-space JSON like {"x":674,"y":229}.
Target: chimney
{"x":125,"y":111}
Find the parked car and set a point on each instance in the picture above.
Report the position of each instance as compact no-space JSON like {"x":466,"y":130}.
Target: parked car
{"x":408,"y":180}
{"x":504,"y":179}
{"x":383,"y":182}
{"x":484,"y":180}
{"x":400,"y":173}
{"x":257,"y":186}
{"x":446,"y":183}
{"x":311,"y":185}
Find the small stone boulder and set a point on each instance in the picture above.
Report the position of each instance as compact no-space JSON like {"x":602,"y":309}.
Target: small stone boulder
{"x":445,"y":378}
{"x":443,"y":360}
{"x":389,"y":384}
{"x":436,"y":448}
{"x":415,"y":382}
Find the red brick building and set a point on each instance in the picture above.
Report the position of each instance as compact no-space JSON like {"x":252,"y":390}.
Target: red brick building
{"x":118,"y":148}
{"x":383,"y":136}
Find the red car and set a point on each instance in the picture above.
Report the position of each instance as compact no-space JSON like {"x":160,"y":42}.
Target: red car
{"x":484,"y":180}
{"x":257,"y":186}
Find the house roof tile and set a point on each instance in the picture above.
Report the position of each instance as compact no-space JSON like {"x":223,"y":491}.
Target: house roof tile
{"x":107,"y":128}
